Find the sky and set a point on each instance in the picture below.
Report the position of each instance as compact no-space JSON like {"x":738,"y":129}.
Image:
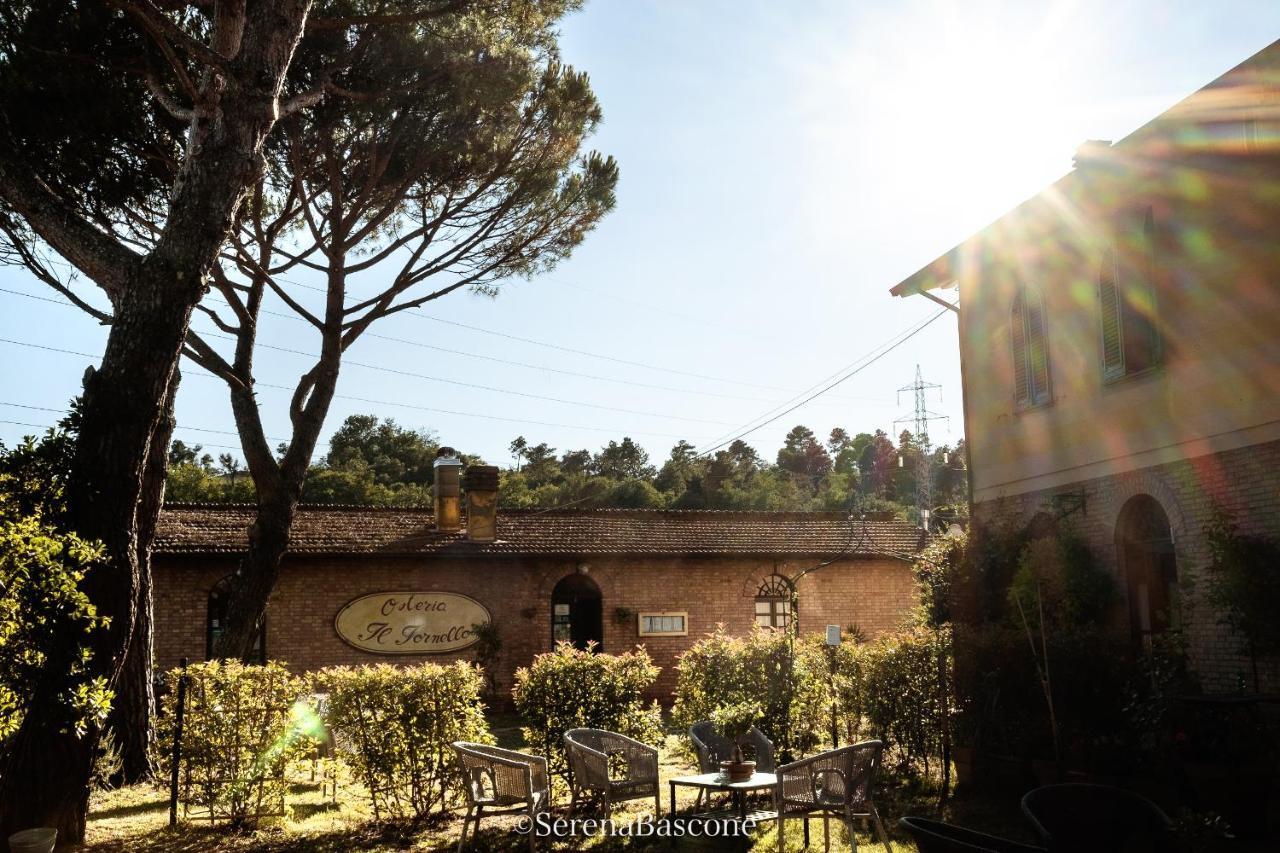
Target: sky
{"x":782,"y":166}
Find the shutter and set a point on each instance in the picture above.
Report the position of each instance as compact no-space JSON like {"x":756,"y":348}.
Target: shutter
{"x":1110,"y":309}
{"x":1018,"y":330}
{"x":1037,"y":350}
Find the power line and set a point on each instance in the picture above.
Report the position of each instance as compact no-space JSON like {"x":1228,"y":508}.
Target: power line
{"x":558,"y":347}
{"x":479,"y":356}
{"x":815,"y":385}
{"x":394,"y":403}
{"x":429,"y":378}
{"x":872,"y":359}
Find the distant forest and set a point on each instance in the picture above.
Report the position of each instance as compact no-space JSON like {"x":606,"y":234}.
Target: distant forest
{"x":378,"y":462}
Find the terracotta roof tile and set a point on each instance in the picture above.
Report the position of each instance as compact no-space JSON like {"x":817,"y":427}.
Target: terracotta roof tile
{"x":206,"y":528}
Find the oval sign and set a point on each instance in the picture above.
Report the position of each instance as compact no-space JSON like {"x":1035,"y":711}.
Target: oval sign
{"x":410,"y":623}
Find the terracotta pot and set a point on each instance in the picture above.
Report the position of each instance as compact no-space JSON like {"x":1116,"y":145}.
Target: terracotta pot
{"x":738,"y":771}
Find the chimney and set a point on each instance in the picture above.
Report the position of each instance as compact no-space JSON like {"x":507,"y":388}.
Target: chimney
{"x":448,"y":469}
{"x":1091,"y":152}
{"x":482,"y":502}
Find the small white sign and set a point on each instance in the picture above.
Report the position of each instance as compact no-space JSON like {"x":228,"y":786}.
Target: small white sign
{"x":833,"y":635}
{"x":562,"y":610}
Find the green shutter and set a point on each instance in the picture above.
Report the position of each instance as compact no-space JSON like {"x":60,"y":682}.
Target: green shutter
{"x":1018,"y":330}
{"x":1111,"y":311}
{"x":1037,"y":350}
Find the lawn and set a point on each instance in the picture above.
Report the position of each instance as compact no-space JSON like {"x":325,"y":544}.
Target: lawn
{"x":136,"y":818}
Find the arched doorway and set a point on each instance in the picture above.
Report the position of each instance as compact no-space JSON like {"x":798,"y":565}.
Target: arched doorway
{"x":1144,"y":541}
{"x":576,"y":612}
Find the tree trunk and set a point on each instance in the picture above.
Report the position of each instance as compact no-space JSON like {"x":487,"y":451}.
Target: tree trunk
{"x":121,"y":413}
{"x":46,"y":780}
{"x":255,"y":578}
{"x":278,"y":485}
{"x":133,"y":712}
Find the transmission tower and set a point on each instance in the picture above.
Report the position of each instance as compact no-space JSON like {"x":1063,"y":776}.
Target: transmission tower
{"x":919,"y":419}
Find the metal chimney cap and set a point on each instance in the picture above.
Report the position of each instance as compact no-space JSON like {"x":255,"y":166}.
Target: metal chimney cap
{"x":447,"y":456}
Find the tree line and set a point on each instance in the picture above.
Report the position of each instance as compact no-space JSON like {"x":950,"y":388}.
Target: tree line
{"x":381,"y":463}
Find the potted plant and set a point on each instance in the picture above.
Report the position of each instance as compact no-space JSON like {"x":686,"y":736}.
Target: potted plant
{"x":735,"y":723}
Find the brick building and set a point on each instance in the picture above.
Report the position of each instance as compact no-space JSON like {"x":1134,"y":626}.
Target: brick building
{"x":362,"y":585}
{"x":1120,"y":350}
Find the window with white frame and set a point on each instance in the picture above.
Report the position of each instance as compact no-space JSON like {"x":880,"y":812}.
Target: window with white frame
{"x":666,"y":624}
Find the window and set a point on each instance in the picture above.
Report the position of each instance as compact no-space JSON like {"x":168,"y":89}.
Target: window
{"x":1030,"y":349}
{"x":773,"y":603}
{"x":664,"y":624}
{"x":1126,"y":304}
{"x":216,"y":617}
{"x":1144,"y":540}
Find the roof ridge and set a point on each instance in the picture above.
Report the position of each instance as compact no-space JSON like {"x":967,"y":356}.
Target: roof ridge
{"x":530,"y":512}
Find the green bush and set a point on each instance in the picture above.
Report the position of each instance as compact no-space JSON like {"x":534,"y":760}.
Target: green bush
{"x":762,"y":668}
{"x":570,"y":688}
{"x":243,"y":724}
{"x":1074,"y":590}
{"x":393,"y":727}
{"x":891,"y":689}
{"x":46,"y":621}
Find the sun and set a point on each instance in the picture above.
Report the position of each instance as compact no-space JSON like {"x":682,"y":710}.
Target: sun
{"x":967,"y":109}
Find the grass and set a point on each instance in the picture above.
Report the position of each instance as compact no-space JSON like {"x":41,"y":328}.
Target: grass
{"x":135,"y":819}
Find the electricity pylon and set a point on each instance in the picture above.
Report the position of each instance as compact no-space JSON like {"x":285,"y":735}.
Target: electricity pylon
{"x":920,"y":419}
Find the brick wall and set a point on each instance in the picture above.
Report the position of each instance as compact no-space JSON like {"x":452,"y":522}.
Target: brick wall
{"x":873,"y":594}
{"x":1245,"y":481}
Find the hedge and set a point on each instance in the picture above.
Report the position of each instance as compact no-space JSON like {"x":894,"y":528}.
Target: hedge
{"x":394,"y":725}
{"x":243,"y":725}
{"x":570,"y":688}
{"x":724,"y":670}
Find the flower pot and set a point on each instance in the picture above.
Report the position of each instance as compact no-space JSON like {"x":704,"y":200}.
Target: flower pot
{"x":39,"y":840}
{"x":738,"y":771}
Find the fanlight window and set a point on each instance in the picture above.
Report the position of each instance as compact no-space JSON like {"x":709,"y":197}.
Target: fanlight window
{"x":773,"y":603}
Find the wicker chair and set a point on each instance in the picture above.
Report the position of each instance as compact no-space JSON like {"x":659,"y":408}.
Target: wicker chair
{"x":1098,"y":819}
{"x":713,"y":747}
{"x":502,"y":781}
{"x":840,"y":782}
{"x":932,"y":836}
{"x":590,"y":753}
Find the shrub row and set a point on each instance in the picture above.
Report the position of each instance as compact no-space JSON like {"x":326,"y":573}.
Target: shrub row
{"x":570,"y":688}
{"x":726,"y":670}
{"x":244,"y":725}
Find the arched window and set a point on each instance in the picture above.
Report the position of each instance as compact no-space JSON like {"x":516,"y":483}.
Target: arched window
{"x":216,"y":620}
{"x":1030,"y":349}
{"x":1145,"y":544}
{"x":773,"y":603}
{"x":1127,"y":309}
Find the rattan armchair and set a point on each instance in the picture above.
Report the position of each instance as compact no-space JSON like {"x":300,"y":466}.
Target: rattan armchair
{"x":933,"y":836}
{"x":840,"y":782}
{"x":1075,"y":818}
{"x":502,"y":781}
{"x":713,"y":747}
{"x":635,"y":766}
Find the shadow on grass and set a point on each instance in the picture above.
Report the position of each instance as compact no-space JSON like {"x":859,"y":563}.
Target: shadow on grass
{"x":158,"y":804}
